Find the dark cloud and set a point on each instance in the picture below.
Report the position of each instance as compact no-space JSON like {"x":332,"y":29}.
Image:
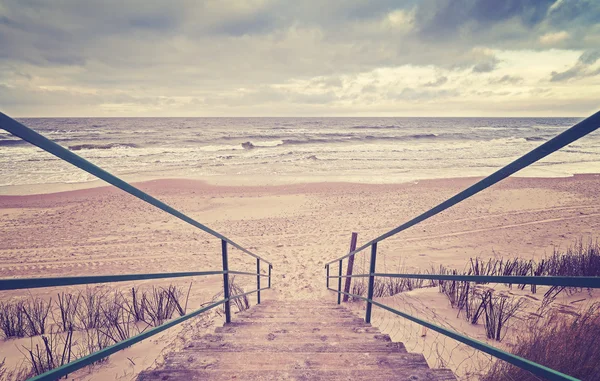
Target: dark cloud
{"x":580,"y":69}
{"x":486,"y":66}
{"x":438,"y":82}
{"x":569,"y":12}
{"x":419,"y":95}
{"x":507,"y":79}
{"x":590,"y":57}
{"x":448,"y":19}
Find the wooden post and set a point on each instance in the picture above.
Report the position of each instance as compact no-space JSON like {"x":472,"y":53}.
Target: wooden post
{"x":350,"y":265}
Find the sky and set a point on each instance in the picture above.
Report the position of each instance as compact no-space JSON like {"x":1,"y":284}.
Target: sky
{"x":299,"y":58}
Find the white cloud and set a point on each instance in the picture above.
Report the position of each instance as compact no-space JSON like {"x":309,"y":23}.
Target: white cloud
{"x":553,"y":38}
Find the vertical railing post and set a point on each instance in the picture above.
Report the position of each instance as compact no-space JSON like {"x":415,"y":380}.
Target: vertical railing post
{"x":270,"y":267}
{"x":350,"y":266}
{"x":226,"y":281}
{"x":327,"y":267}
{"x":371,"y":281}
{"x":340,"y":283}
{"x":258,"y":281}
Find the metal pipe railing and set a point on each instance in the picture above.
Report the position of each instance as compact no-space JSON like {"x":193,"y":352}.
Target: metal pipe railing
{"x":533,"y":367}
{"x":581,"y":129}
{"x":27,"y":283}
{"x":71,"y":367}
{"x":40,"y":141}
{"x":562,"y":281}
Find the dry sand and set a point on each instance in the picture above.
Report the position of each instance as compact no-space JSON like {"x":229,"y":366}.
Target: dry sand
{"x":297,"y":227}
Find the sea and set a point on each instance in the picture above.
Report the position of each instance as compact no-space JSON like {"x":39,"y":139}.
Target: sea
{"x":288,"y":150}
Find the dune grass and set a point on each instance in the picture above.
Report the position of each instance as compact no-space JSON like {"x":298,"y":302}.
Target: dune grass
{"x":568,"y":344}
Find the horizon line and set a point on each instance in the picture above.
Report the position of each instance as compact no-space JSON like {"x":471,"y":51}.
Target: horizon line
{"x":292,"y":116}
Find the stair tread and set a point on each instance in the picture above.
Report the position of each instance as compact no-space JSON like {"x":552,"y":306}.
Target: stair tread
{"x":297,"y":374}
{"x":303,"y":340}
{"x":265,"y":329}
{"x":291,"y":361}
{"x":300,"y":336}
{"x":235,"y":346}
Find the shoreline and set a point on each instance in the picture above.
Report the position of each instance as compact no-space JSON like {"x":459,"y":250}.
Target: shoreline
{"x":244,"y":183}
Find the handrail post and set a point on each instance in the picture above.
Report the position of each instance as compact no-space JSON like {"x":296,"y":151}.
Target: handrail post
{"x":340,"y":283}
{"x":350,"y":266}
{"x":371,"y":281}
{"x":270,"y":267}
{"x":226,"y":281}
{"x":327,"y":267}
{"x":258,"y":281}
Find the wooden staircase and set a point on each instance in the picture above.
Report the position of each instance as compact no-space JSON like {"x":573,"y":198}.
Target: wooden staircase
{"x":295,"y":340}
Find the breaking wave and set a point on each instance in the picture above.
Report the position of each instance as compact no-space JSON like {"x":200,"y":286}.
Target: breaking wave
{"x":11,"y":142}
{"x":79,"y":147}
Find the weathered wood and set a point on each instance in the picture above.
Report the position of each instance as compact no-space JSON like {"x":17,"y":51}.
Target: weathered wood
{"x":350,"y":265}
{"x":297,"y":340}
{"x":296,"y":374}
{"x":278,"y":361}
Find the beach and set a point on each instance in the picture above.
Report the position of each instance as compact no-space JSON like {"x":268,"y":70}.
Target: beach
{"x":298,"y":227}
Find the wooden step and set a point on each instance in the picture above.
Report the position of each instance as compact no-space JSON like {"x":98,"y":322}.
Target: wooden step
{"x":292,"y":307}
{"x":291,"y":361}
{"x":266,"y":329}
{"x":297,"y":374}
{"x":295,"y":341}
{"x":284,"y":323}
{"x":444,"y":375}
{"x":301,"y":336}
{"x":205,"y":345}
{"x":298,"y":314}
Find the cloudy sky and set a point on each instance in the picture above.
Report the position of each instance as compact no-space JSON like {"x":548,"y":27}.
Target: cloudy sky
{"x":300,"y":58}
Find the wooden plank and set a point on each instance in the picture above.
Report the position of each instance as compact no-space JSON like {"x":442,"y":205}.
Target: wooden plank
{"x":350,"y":264}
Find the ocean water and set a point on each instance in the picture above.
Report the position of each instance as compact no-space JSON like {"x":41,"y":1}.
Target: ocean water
{"x":370,"y":150}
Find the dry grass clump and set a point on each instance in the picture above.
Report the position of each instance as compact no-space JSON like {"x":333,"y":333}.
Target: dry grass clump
{"x":579,"y":259}
{"x":12,"y":319}
{"x":36,"y":310}
{"x":55,"y":350}
{"x":385,"y":286}
{"x":67,"y":306}
{"x":83,"y":323}
{"x":242,"y":303}
{"x":561,"y":342}
{"x":476,"y":303}
{"x":93,"y":308}
{"x":21,"y":373}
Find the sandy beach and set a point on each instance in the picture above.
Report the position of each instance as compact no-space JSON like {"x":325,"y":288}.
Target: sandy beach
{"x":298,"y":227}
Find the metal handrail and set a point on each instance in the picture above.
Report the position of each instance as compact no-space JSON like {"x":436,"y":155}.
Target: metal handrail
{"x":40,"y":141}
{"x":562,"y":281}
{"x":581,"y":129}
{"x":21,"y":283}
{"x":27,"y":283}
{"x":74,"y":365}
{"x":533,"y":367}
{"x":27,"y":134}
